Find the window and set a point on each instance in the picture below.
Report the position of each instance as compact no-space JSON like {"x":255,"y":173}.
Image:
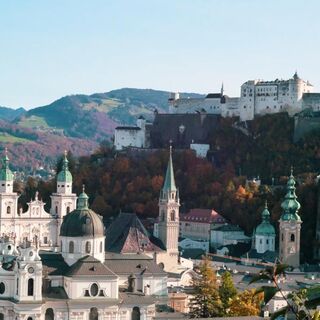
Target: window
{"x":29,"y":318}
{"x":135,"y":314}
{"x":94,"y":290}
{"x":93,"y":315}
{"x":292,"y":237}
{"x":267,"y":241}
{"x":8,"y":209}
{"x":101,"y":246}
{"x":172,"y":215}
{"x":282,"y":237}
{"x":30,"y":287}
{"x":68,"y":209}
{"x":88,"y":247}
{"x":1,"y":316}
{"x":45,"y":240}
{"x":17,"y":289}
{"x":49,"y":314}
{"x":2,"y":288}
{"x":56,"y":210}
{"x":71,"y":247}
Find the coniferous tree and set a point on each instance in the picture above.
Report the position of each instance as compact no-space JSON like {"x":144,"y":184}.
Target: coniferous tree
{"x":206,"y":302}
{"x":227,"y":291}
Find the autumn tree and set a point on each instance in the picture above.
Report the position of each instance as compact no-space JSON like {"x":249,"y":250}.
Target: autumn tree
{"x":206,"y":302}
{"x":246,"y":303}
{"x":227,"y":291}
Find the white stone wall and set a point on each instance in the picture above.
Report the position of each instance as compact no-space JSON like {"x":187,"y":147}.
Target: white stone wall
{"x":264,"y":243}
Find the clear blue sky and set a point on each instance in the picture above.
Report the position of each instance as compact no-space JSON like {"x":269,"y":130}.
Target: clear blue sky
{"x":49,"y":49}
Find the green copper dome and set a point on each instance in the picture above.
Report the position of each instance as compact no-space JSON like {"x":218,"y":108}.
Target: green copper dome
{"x":290,"y":205}
{"x":265,"y":227}
{"x":82,"y":222}
{"x":5,"y":172}
{"x":64,"y":175}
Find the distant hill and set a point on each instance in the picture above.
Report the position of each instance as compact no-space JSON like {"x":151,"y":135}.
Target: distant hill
{"x":77,"y":123}
{"x":95,"y":116}
{"x":10,"y":114}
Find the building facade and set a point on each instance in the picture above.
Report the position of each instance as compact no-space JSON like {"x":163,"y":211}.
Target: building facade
{"x":257,"y":97}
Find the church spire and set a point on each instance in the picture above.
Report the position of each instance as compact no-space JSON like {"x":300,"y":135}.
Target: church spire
{"x":222,"y":90}
{"x":169,"y":182}
{"x":65,"y":175}
{"x":5,"y":173}
{"x":290,"y":205}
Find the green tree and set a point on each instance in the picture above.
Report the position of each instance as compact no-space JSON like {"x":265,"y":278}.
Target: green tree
{"x":227,"y":291}
{"x":206,"y":302}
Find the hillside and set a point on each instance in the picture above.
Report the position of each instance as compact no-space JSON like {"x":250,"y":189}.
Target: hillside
{"x":77,"y":123}
{"x":95,"y":116}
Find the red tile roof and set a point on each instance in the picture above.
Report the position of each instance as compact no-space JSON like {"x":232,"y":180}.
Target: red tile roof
{"x":203,"y":216}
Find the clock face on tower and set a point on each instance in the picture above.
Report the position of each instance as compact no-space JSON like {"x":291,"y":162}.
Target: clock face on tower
{"x":30,"y":270}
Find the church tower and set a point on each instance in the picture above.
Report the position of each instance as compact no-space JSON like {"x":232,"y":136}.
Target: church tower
{"x":290,"y":226}
{"x":63,"y":201}
{"x":8,"y":198}
{"x":169,"y":203}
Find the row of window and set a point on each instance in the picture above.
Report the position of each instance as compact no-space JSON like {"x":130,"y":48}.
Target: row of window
{"x":87,"y":247}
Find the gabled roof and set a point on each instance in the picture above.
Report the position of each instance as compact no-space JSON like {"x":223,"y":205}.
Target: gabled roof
{"x":89,"y":266}
{"x":203,"y":216}
{"x":126,"y":234}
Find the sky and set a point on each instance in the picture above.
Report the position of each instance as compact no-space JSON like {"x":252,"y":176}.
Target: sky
{"x":49,"y":49}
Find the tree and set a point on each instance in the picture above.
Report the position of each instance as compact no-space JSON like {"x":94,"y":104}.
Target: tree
{"x":246,"y":303}
{"x":227,"y":291}
{"x":206,"y":302}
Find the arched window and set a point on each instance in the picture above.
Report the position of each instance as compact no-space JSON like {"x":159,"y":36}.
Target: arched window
{"x":30,"y":287}
{"x":68,"y":209}
{"x":88,"y":247}
{"x":282,"y":237}
{"x":29,"y":318}
{"x":101,"y":246}
{"x":93,"y":315}
{"x":172,"y":215}
{"x":135,"y":314}
{"x":71,"y":247}
{"x":2,"y":288}
{"x":49,"y":314}
{"x":56,"y":210}
{"x":8,"y":209}
{"x":292,"y":237}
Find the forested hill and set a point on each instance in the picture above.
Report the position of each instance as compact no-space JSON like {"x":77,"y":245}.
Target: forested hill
{"x":131,"y":182}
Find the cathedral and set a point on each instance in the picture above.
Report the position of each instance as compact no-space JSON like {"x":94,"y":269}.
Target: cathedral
{"x":64,"y":265}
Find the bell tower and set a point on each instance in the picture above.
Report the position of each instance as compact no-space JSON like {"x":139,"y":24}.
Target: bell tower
{"x":169,"y":203}
{"x":63,"y":201}
{"x":290,"y":226}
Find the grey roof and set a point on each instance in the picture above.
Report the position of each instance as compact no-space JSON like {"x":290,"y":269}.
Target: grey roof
{"x":128,"y":128}
{"x":269,"y":256}
{"x":126,"y":234}
{"x":90,"y":267}
{"x":125,"y":265}
{"x":82,"y":222}
{"x":227,"y":227}
{"x":53,"y":263}
{"x":54,"y":293}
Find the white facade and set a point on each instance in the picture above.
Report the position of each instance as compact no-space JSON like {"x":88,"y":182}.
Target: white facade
{"x":257,"y":97}
{"x":226,"y":235}
{"x":201,"y":149}
{"x":194,"y":244}
{"x":127,"y":136}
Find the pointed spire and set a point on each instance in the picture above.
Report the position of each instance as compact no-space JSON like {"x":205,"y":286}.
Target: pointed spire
{"x":290,"y":205}
{"x":6,"y":174}
{"x":265,"y":213}
{"x":169,"y":182}
{"x":265,"y":227}
{"x":222,"y":90}
{"x":65,"y":175}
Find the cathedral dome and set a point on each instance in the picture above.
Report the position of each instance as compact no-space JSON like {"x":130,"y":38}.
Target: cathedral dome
{"x":82,"y":222}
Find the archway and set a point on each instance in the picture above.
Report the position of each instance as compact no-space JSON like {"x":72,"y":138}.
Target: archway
{"x":135,"y":315}
{"x":49,"y":314}
{"x":93,"y":315}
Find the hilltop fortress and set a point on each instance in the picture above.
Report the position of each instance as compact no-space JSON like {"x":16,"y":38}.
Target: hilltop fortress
{"x":257,"y":97}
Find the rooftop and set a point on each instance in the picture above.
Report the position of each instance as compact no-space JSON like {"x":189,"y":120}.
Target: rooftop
{"x":203,"y":216}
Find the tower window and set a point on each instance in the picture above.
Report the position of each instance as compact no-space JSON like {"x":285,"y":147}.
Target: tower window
{"x":71,"y":247}
{"x":267,"y":241}
{"x":56,"y":209}
{"x":45,"y":240}
{"x":88,"y":247}
{"x":8,"y":209}
{"x":282,"y":237}
{"x":292,"y":238}
{"x":30,"y":287}
{"x":94,"y":290}
{"x":101,"y":247}
{"x":172,"y":215}
{"x":2,"y":288}
{"x":68,"y":209}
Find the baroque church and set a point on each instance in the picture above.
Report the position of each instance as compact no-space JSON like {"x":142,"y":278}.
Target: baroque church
{"x":64,"y":264}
